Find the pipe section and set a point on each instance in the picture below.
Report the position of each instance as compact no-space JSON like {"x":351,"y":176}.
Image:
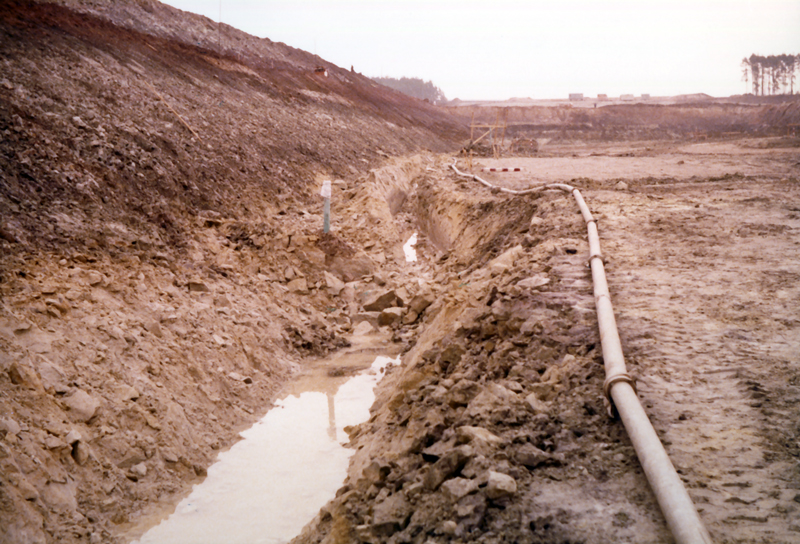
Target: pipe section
{"x":682,"y":518}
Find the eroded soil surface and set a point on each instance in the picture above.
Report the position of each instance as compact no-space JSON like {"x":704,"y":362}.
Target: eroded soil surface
{"x":506,"y":378}
{"x":163,"y":275}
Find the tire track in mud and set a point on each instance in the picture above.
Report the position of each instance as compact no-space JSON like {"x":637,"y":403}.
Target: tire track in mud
{"x":710,"y":331}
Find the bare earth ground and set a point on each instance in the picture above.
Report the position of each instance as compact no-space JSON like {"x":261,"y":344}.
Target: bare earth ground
{"x":163,"y":274}
{"x":703,"y":273}
{"x":705,"y":278}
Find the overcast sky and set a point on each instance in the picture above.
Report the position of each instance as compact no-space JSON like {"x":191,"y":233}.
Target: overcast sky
{"x":498,"y":49}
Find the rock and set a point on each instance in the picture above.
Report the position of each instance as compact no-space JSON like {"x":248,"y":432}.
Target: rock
{"x":482,"y":440}
{"x":420,"y":302}
{"x":235,"y":376}
{"x":536,"y":220}
{"x":538,"y":406}
{"x":59,"y":304}
{"x":27,"y":490}
{"x":80,"y":453}
{"x":139,"y":470}
{"x":21,"y":373}
{"x":456,"y":488}
{"x":447,"y":527}
{"x":350,"y":268}
{"x":79,"y":122}
{"x":621,"y":186}
{"x":125,"y":392}
{"x":534,"y":281}
{"x":364,"y":533}
{"x":133,"y":457}
{"x":169,"y":456}
{"x":380,"y":302}
{"x":52,"y":377}
{"x":289,"y":273}
{"x":370,"y":317}
{"x":82,"y":406}
{"x":362,"y":329}
{"x":154,"y":328}
{"x":333,"y":284}
{"x":54,"y":442}
{"x":493,"y":396}
{"x":451,"y":356}
{"x":504,"y":262}
{"x":410,"y":317}
{"x":390,"y":515}
{"x":93,"y":278}
{"x":500,"y":485}
{"x":462,"y":393}
{"x":390,"y":316}
{"x":222,"y":301}
{"x":72,"y":437}
{"x":545,"y":391}
{"x":61,"y":496}
{"x":403,"y":297}
{"x":447,"y":466}
{"x":376,"y":472}
{"x":197,"y":286}
{"x":9,"y":426}
{"x":531,"y":456}
{"x":470,"y":510}
{"x":298,"y":285}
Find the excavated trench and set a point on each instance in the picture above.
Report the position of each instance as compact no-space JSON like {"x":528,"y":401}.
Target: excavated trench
{"x":493,"y":350}
{"x":495,"y":417}
{"x":289,"y":464}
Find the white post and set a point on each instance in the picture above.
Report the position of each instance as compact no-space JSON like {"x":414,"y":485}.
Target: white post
{"x":326,"y":211}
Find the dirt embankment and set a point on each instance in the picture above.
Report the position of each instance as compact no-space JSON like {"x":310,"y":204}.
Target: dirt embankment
{"x":698,"y":120}
{"x":161,"y":260}
{"x":163,"y":272}
{"x":494,"y":428}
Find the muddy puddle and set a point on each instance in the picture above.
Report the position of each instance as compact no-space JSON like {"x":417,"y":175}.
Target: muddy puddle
{"x":269,"y":485}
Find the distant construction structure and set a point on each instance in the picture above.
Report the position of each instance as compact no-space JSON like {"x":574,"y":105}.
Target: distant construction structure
{"x":497,"y":131}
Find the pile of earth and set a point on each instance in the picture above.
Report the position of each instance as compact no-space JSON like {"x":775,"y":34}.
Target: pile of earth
{"x":162,"y":265}
{"x":493,"y":421}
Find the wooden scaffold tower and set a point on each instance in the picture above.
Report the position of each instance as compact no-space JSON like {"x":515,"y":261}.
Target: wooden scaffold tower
{"x":497,"y":131}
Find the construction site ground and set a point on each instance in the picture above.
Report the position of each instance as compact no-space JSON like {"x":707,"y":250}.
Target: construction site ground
{"x":164,"y":274}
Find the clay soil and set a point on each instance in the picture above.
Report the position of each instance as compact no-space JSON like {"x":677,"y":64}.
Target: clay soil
{"x":163,"y":275}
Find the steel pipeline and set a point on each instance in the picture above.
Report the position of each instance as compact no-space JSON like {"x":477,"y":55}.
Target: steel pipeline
{"x":682,"y":518}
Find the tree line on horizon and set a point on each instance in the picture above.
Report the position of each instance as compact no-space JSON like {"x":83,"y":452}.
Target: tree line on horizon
{"x":772,"y":74}
{"x":414,"y":86}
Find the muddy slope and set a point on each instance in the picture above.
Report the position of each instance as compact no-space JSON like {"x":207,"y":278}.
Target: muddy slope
{"x":161,"y":260}
{"x":494,"y":428}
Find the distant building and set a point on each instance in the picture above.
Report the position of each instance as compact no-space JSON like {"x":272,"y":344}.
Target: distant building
{"x":576,"y":96}
{"x":626,"y":97}
{"x":602,"y":97}
{"x":645,"y":96}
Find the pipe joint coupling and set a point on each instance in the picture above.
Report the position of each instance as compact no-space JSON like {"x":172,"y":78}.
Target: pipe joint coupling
{"x":609,"y":383}
{"x":598,"y":256}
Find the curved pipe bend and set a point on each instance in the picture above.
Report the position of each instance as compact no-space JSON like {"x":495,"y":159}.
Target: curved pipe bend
{"x":682,"y":518}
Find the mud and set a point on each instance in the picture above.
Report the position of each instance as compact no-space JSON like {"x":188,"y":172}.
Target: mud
{"x":164,"y":275}
{"x":506,"y":377}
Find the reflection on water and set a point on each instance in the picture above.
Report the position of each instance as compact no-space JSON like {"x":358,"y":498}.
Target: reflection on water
{"x":272,"y":483}
{"x":408,"y":249}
